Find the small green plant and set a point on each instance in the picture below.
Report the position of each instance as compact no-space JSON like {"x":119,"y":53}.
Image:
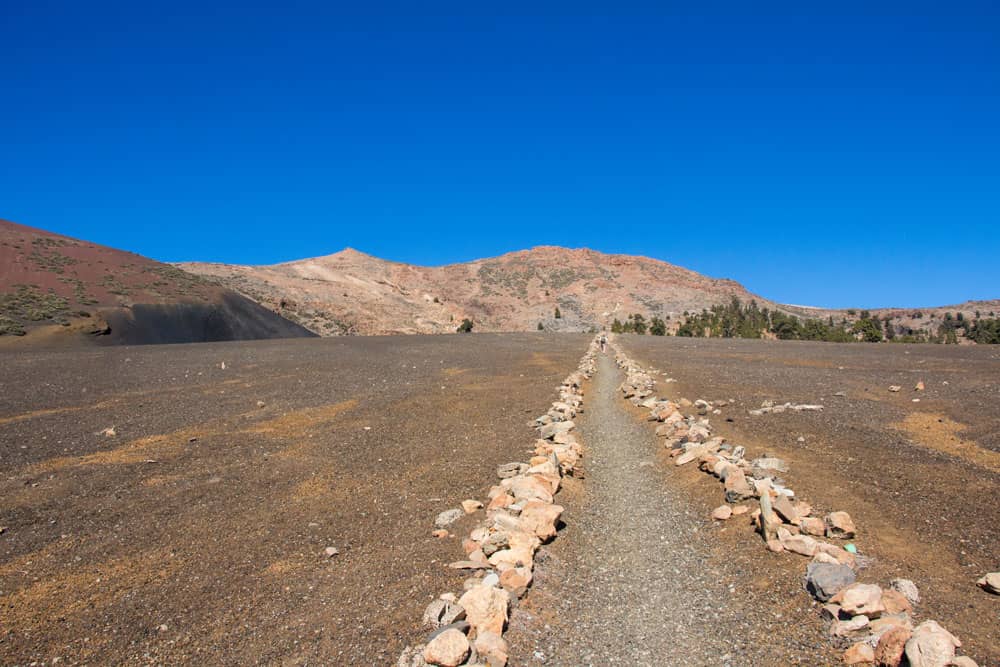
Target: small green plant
{"x":558,"y":313}
{"x":465,"y":326}
{"x":541,"y":327}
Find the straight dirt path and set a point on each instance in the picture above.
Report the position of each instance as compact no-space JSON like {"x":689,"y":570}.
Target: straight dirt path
{"x":632,"y":579}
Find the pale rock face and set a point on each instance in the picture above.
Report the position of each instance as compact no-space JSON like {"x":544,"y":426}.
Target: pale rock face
{"x":448,"y":649}
{"x":516,"y":580}
{"x":844,"y":628}
{"x":907,"y":588}
{"x":529,"y":488}
{"x":840,"y":524}
{"x":722,"y":513}
{"x":859,"y":654}
{"x":991,"y":583}
{"x":540,"y":518}
{"x":470,"y":506}
{"x":737,"y":487}
{"x":493,"y":648}
{"x":448,"y":517}
{"x":863,"y":599}
{"x":486,"y":608}
{"x":800,"y":544}
{"x":931,"y":646}
{"x":812,"y":526}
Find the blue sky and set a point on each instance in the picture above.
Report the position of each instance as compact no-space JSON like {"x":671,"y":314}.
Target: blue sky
{"x":838,"y":155}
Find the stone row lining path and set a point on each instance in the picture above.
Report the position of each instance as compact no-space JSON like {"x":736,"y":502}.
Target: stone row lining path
{"x":632,"y":580}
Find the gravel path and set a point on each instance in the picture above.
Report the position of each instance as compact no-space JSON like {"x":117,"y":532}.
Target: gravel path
{"x":633,"y":585}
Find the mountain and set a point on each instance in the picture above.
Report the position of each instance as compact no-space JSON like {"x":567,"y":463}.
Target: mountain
{"x":58,"y":289}
{"x":350,"y":292}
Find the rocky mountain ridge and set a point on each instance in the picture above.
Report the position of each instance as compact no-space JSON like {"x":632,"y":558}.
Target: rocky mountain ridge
{"x":352,"y":292}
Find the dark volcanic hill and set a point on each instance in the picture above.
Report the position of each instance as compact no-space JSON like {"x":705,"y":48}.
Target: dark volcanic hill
{"x":351,"y":292}
{"x":59,"y":289}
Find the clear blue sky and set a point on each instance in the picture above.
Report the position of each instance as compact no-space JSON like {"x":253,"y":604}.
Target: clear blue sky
{"x":844,"y":155}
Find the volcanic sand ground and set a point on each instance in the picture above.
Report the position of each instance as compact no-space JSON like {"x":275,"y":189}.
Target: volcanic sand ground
{"x":210,"y":515}
{"x":921,"y":480}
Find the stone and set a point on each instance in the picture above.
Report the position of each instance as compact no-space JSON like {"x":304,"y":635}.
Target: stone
{"x":860,"y":599}
{"x":770,"y":463}
{"x":486,"y":608}
{"x":931,"y":646}
{"x":842,"y":556}
{"x":740,"y":509}
{"x":469,"y":564}
{"x":990,"y":583}
{"x":895,"y":602}
{"x":412,"y":656}
{"x":331,"y":551}
{"x":824,"y":580}
{"x":894,"y":388}
{"x":963,"y":661}
{"x":884,"y":623}
{"x":722,"y":513}
{"x":890,"y":647}
{"x":737,"y":487}
{"x":783,"y":506}
{"x":907,"y":588}
{"x":548,"y":431}
{"x":840,"y":524}
{"x":448,"y":649}
{"x":442,"y":612}
{"x":529,"y":488}
{"x":510,"y":470}
{"x":775,"y":546}
{"x":470,"y":506}
{"x":800,"y":544}
{"x":500,"y":501}
{"x":844,"y":628}
{"x":859,"y":654}
{"x":830,"y":612}
{"x":516,"y":580}
{"x":540,"y":518}
{"x":919,"y":386}
{"x":440,"y":532}
{"x":448,"y":517}
{"x":811,"y":525}
{"x":492,"y":647}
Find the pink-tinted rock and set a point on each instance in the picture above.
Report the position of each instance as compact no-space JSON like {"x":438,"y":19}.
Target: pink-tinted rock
{"x":516,"y":580}
{"x":492,"y":647}
{"x":859,"y":654}
{"x":722,"y":512}
{"x":486,"y":608}
{"x":892,"y":643}
{"x":931,"y":646}
{"x":540,"y":518}
{"x":840,"y":524}
{"x":448,"y":649}
{"x":860,"y":599}
{"x":895,"y":602}
{"x":811,"y":525}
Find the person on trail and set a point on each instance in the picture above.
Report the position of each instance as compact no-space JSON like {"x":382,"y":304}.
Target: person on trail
{"x":604,"y":344}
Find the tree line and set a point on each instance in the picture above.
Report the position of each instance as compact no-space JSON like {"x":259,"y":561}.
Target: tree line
{"x":738,"y":320}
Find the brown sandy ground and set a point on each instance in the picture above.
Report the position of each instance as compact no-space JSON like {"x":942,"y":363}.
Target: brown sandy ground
{"x":920,"y":479}
{"x":196,"y":533}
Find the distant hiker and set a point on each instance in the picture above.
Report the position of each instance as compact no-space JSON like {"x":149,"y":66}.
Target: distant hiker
{"x":604,"y":344}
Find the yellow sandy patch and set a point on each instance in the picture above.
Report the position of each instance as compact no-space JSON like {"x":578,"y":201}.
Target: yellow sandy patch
{"x":300,"y":421}
{"x":940,"y":433}
{"x":85,"y":588}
